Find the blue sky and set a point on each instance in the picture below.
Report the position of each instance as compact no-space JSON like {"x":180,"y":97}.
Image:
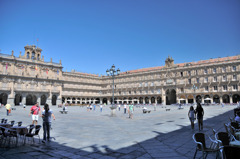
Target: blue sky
{"x":91,"y":35}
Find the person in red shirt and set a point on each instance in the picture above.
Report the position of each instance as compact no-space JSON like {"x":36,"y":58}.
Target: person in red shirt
{"x":35,"y":111}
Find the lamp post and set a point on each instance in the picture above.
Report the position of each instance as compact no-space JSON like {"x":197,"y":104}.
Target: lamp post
{"x":112,"y":72}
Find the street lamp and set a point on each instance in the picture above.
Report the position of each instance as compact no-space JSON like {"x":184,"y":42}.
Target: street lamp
{"x":112,"y":72}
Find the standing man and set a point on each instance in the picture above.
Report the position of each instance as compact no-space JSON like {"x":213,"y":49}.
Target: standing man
{"x":35,"y":110}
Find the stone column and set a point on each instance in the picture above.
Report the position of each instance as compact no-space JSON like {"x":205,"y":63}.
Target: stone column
{"x":221,"y":100}
{"x":155,"y":100}
{"x":101,"y":101}
{"x":144,"y":100}
{"x":59,"y":100}
{"x":38,"y":99}
{"x":230,"y":97}
{"x":108,"y":101}
{"x":149,"y":100}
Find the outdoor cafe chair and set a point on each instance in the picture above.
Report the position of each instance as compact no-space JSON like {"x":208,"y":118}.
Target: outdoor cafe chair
{"x":8,"y":134}
{"x":32,"y":133}
{"x":5,"y":121}
{"x":11,"y":122}
{"x":199,"y":139}
{"x":2,"y":120}
{"x":226,"y":128}
{"x":229,"y":152}
{"x":235,"y":125}
{"x":224,"y":138}
{"x":19,"y":123}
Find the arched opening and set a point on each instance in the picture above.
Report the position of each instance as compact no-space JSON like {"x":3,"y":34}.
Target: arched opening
{"x":182,"y":99}
{"x":236,"y":98}
{"x":44,"y":99}
{"x":146,"y":100}
{"x":226,"y":98}
{"x":141,"y":100}
{"x":104,"y":101}
{"x":3,"y":98}
{"x":31,"y":99}
{"x":88,"y":100}
{"x":190,"y":98}
{"x":38,"y":57}
{"x":153,"y":100}
{"x":68,"y":100}
{"x":170,"y":97}
{"x":135,"y":100}
{"x":115,"y":100}
{"x":125,"y":100}
{"x":92,"y":100}
{"x":63,"y":100}
{"x":83,"y":101}
{"x":216,"y":99}
{"x":97,"y":101}
{"x":73,"y":100}
{"x":28,"y":55}
{"x":207,"y":99}
{"x":17,"y":99}
{"x":198,"y":99}
{"x":129,"y":100}
{"x":33,"y":55}
{"x":159,"y":100}
{"x":54,"y":100}
{"x":78,"y":100}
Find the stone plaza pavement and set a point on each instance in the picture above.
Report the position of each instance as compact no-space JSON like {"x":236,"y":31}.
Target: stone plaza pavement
{"x":82,"y":134}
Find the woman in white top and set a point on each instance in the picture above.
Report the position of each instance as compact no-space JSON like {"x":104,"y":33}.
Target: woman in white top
{"x":191,"y":115}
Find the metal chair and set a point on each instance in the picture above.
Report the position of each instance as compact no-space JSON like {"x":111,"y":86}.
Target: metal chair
{"x":8,"y":134}
{"x":199,"y":139}
{"x":229,"y":152}
{"x":32,"y":133}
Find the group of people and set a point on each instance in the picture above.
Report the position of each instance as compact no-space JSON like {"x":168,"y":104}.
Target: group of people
{"x":199,"y":113}
{"x":46,"y":115}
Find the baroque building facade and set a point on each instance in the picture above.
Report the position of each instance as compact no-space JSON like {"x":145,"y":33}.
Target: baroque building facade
{"x":29,"y":79}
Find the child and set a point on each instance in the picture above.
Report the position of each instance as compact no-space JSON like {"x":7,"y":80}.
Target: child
{"x":191,"y":115}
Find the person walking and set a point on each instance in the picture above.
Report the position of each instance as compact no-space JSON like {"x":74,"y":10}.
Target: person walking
{"x":119,"y":106}
{"x":47,"y":115}
{"x":35,"y":111}
{"x":191,"y":115}
{"x":200,"y":113}
{"x":125,"y":108}
{"x":100,"y":107}
{"x":131,"y":109}
{"x":8,"y":108}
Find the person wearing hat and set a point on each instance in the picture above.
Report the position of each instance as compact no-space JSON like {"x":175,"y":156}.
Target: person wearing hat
{"x":8,"y":108}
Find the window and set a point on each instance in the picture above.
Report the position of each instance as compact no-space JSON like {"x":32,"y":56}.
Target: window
{"x":205,"y":71}
{"x":135,"y":92}
{"x":215,"y":79}
{"x":152,"y":91}
{"x":146,"y":91}
{"x":234,"y":68}
{"x":215,"y":88}
{"x":224,"y":69}
{"x":189,"y":81}
{"x":152,"y":84}
{"x":140,"y":91}
{"x":130,"y":92}
{"x":206,"y":79}
{"x":159,"y":91}
{"x":224,"y":78}
{"x":235,"y":87}
{"x":119,"y":92}
{"x":146,"y":84}
{"x":225,"y":87}
{"x":182,"y":90}
{"x":27,"y":55}
{"x":189,"y":73}
{"x":197,"y":80}
{"x":196,"y":72}
{"x":234,"y":77}
{"x":181,"y":74}
{"x":140,"y":84}
{"x":38,"y":57}
{"x":206,"y":88}
{"x":214,"y":70}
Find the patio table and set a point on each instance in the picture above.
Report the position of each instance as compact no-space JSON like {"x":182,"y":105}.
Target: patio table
{"x":235,"y":143}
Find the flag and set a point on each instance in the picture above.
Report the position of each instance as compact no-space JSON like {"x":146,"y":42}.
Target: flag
{"x":47,"y":71}
{"x":36,"y":67}
{"x":6,"y":66}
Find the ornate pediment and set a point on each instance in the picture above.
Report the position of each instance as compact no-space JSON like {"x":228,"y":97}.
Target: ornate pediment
{"x":5,"y":80}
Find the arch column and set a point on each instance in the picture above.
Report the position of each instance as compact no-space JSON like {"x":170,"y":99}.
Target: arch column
{"x":230,"y":96}
{"x":186,"y":97}
{"x":24,"y":99}
{"x":108,"y":101}
{"x":155,"y":100}
{"x":144,"y":100}
{"x":101,"y":100}
{"x":150,"y":100}
{"x":221,"y":100}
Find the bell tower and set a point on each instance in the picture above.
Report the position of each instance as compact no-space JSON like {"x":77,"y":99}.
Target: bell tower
{"x":169,"y":62}
{"x":32,"y":52}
